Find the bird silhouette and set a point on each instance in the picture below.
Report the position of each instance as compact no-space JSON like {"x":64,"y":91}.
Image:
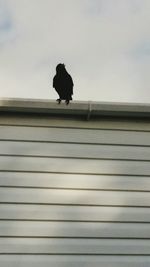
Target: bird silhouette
{"x":63,"y":84}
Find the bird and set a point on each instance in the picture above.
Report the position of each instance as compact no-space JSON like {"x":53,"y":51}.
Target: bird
{"x":63,"y":84}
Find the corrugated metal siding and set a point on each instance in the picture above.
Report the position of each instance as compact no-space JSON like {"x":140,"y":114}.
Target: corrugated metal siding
{"x":74,"y":193}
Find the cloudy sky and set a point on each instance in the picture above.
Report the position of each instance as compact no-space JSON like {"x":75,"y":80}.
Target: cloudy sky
{"x":105,"y":45}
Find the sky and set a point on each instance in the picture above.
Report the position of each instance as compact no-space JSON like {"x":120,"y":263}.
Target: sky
{"x":104,"y":44}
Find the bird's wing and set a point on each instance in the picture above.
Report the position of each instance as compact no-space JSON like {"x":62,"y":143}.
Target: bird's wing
{"x":71,"y":84}
{"x":54,"y":81}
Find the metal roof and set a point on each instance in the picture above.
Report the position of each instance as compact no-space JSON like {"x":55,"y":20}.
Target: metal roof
{"x":88,"y":109}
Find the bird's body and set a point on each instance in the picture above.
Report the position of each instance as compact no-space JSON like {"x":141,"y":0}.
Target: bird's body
{"x":63,"y":84}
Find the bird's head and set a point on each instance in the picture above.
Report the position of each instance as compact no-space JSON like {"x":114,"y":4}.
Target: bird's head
{"x":60,"y":67}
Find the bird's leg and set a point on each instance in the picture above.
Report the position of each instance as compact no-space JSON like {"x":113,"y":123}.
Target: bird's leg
{"x":58,"y":100}
{"x":67,"y":102}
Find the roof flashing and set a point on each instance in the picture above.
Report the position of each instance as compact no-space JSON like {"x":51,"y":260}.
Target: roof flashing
{"x":88,"y":109}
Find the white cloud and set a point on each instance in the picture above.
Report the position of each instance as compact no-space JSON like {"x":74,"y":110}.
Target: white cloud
{"x":6,"y":25}
{"x":104,"y":44}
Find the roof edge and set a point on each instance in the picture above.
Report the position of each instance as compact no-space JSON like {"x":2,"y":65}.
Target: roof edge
{"x":86,"y":108}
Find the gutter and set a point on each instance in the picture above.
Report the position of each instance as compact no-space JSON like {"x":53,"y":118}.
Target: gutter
{"x":87,"y":109}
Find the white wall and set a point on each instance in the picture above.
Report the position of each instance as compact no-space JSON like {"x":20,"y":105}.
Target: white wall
{"x":74,"y":193}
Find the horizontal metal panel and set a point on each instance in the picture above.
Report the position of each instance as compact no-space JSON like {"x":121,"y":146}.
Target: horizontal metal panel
{"x":74,"y":150}
{"x":74,"y":135}
{"x":77,"y":108}
{"x":73,"y":261}
{"x":48,"y":121}
{"x":8,"y":163}
{"x":73,"y":213}
{"x":74,"y":246}
{"x":76,"y":181}
{"x":74,"y":229}
{"x":80,"y":197}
